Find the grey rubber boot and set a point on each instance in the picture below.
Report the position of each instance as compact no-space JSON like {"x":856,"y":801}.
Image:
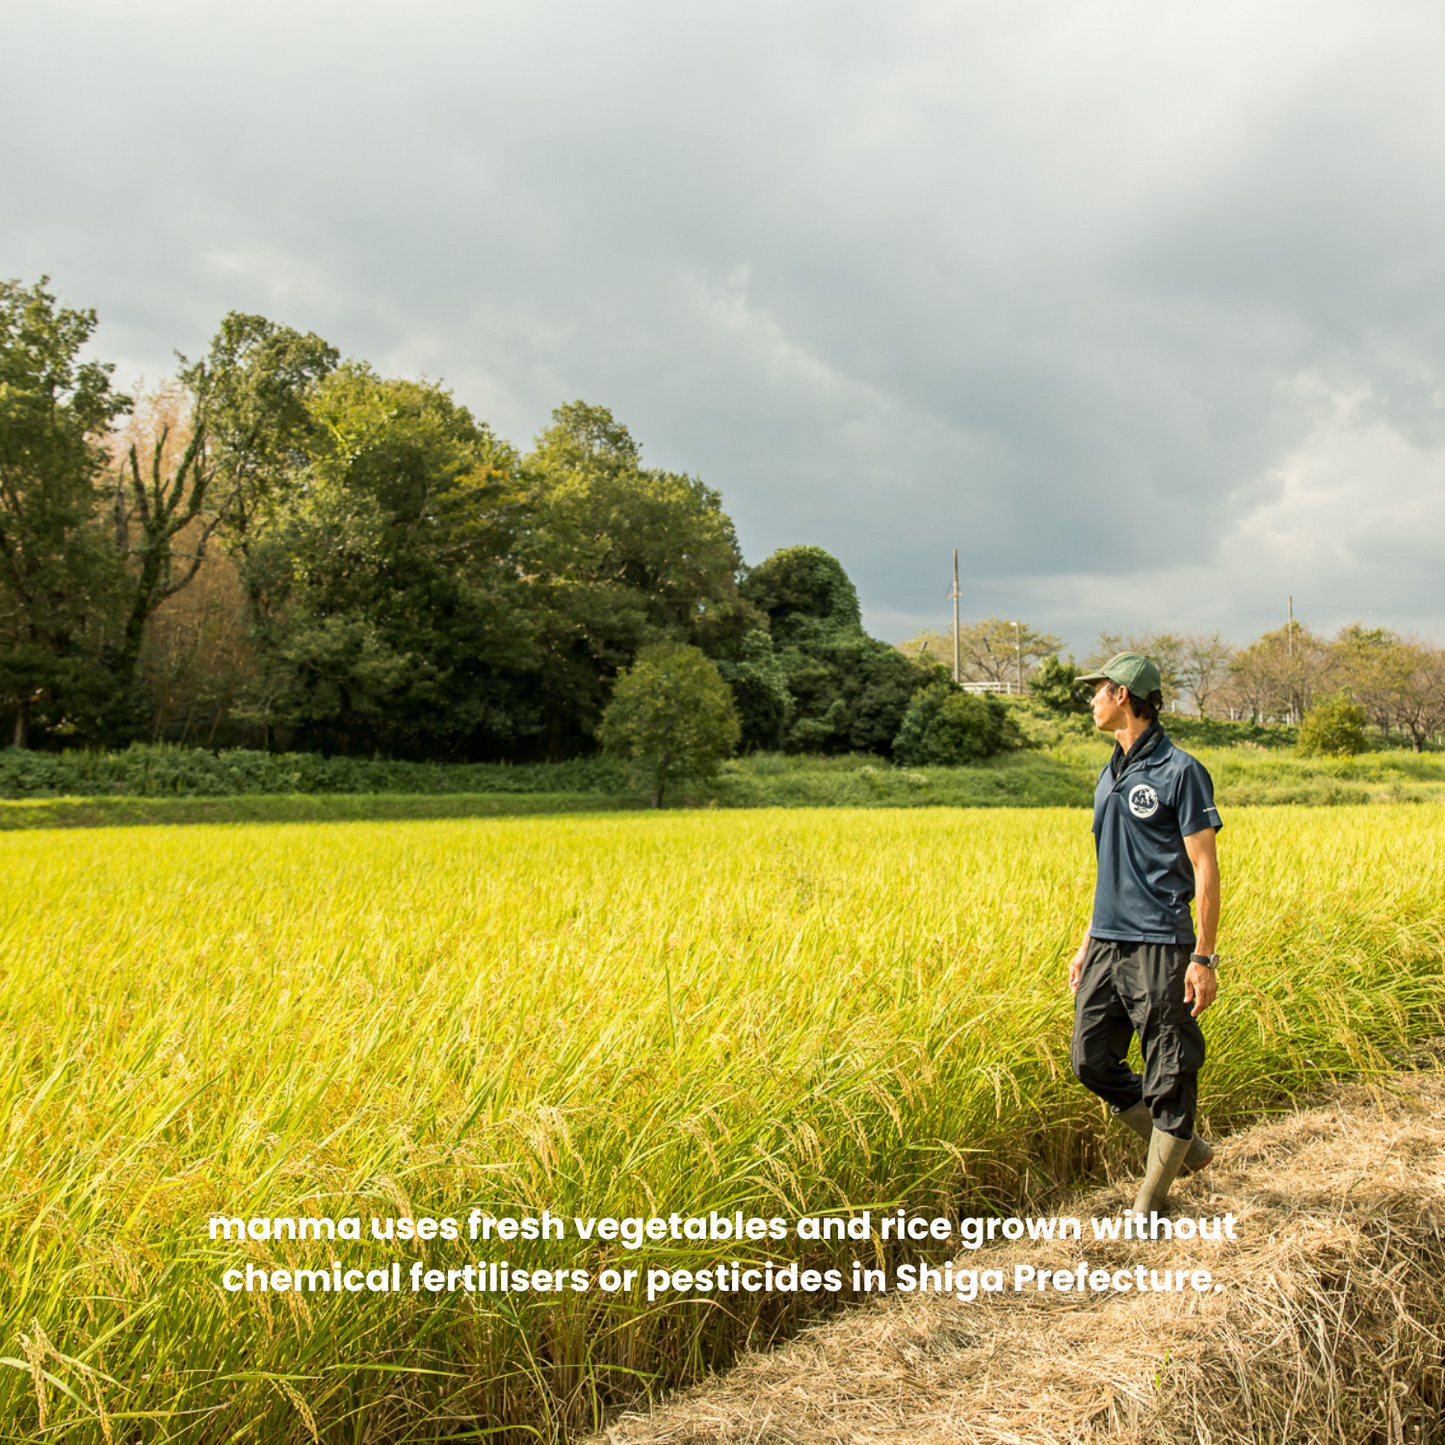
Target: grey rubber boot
{"x":1138,"y":1118}
{"x":1198,"y":1156}
{"x":1166,"y":1155}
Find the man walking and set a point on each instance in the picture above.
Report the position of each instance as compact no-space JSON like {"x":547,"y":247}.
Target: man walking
{"x":1141,"y":969}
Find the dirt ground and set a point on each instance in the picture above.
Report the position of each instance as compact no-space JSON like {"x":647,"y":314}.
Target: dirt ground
{"x":1328,"y":1323}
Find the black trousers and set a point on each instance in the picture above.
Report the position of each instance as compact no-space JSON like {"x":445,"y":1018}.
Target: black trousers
{"x":1138,"y":988}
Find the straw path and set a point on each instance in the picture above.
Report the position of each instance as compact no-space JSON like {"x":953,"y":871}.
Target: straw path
{"x":1330,"y":1325}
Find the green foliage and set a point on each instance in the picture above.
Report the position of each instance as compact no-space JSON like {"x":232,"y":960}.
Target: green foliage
{"x":863,"y":780}
{"x":60,"y":572}
{"x":251,"y":391}
{"x":70,"y":787}
{"x":1056,"y":685}
{"x":656,"y":545}
{"x":804,"y":591}
{"x":850,"y":692}
{"x":619,"y":556}
{"x":389,"y":608}
{"x":142,"y":771}
{"x":1214,"y":732}
{"x":950,"y":728}
{"x":1334,"y":727}
{"x":847,"y":691}
{"x":760,"y":691}
{"x":671,"y":717}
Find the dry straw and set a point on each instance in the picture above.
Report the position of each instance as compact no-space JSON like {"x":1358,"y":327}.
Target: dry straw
{"x":1330,"y":1326}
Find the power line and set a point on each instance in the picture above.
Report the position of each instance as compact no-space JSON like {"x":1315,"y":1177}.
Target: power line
{"x":1071,"y":607}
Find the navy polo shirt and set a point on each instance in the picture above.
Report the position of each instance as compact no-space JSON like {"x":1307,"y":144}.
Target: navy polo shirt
{"x":1141,"y":819}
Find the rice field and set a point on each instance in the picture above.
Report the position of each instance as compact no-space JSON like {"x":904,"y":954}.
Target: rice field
{"x":773,"y":1013}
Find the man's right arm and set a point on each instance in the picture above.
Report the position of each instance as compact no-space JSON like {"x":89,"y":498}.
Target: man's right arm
{"x":1076,"y":964}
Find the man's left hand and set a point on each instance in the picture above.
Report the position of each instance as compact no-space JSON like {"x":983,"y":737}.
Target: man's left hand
{"x":1200,"y":986}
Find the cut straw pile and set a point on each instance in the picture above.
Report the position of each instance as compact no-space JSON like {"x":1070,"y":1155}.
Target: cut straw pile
{"x":1330,"y":1325}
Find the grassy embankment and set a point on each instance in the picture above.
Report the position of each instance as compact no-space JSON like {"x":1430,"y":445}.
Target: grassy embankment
{"x":783,"y":1014}
{"x":1251,"y":765}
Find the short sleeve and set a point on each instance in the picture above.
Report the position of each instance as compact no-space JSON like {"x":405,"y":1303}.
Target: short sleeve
{"x":1194,"y":801}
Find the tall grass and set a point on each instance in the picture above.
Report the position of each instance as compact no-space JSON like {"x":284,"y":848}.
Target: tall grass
{"x":167,"y":771}
{"x":777,"y":1012}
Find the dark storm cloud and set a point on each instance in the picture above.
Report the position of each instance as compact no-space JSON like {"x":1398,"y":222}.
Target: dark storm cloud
{"x":1112,"y":297}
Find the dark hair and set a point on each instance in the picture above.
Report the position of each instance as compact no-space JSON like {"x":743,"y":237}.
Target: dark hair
{"x":1146,"y":707}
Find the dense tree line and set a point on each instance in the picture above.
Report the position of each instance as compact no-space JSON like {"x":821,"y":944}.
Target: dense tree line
{"x":1397,"y":682}
{"x":285,"y":548}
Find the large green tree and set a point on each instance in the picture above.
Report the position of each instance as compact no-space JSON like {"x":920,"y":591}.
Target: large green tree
{"x":619,"y":556}
{"x":59,"y":574}
{"x":392,"y":610}
{"x":253,"y":395}
{"x":848,"y":692}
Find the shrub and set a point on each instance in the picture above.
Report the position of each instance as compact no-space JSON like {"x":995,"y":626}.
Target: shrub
{"x":1334,"y":727}
{"x":170,"y":771}
{"x":947,"y":728}
{"x":1056,"y":685}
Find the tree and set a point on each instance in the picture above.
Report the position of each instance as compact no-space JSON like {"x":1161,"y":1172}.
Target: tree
{"x":606,"y":521}
{"x":847,"y":691}
{"x":162,"y":524}
{"x":1375,"y":667}
{"x":390,"y":608}
{"x":58,"y":571}
{"x":1056,"y":685}
{"x":949,"y":728}
{"x":1335,"y":727}
{"x":1202,"y":666}
{"x":805,"y":593}
{"x":251,"y":404}
{"x":1421,"y":707}
{"x":671,"y":717}
{"x":619,"y":556}
{"x":1278,"y":674}
{"x":202,"y":457}
{"x":994,"y":650}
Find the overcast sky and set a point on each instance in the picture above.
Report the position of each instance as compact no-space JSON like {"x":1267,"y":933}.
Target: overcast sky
{"x":1139,"y":305}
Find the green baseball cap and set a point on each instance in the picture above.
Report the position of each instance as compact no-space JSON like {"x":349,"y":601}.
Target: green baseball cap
{"x":1129,"y":669}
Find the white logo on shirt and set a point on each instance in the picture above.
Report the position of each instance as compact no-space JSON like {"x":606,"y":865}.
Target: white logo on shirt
{"x":1143,"y":801}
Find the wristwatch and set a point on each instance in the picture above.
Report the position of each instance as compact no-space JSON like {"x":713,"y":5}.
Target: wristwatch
{"x":1209,"y":960}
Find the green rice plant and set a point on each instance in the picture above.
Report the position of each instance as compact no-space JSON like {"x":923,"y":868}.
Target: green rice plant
{"x":779,"y":1012}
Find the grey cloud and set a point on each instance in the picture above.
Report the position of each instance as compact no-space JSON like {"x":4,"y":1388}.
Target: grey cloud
{"x":1062,"y":285}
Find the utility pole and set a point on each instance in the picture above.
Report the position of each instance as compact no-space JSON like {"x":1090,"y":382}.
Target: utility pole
{"x":954,"y":595}
{"x":1019,"y":650}
{"x":1290,"y":645}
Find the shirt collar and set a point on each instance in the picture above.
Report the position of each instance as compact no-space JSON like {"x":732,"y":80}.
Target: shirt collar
{"x":1150,"y":741}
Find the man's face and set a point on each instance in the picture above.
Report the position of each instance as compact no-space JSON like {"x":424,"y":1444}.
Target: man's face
{"x":1110,"y":713}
